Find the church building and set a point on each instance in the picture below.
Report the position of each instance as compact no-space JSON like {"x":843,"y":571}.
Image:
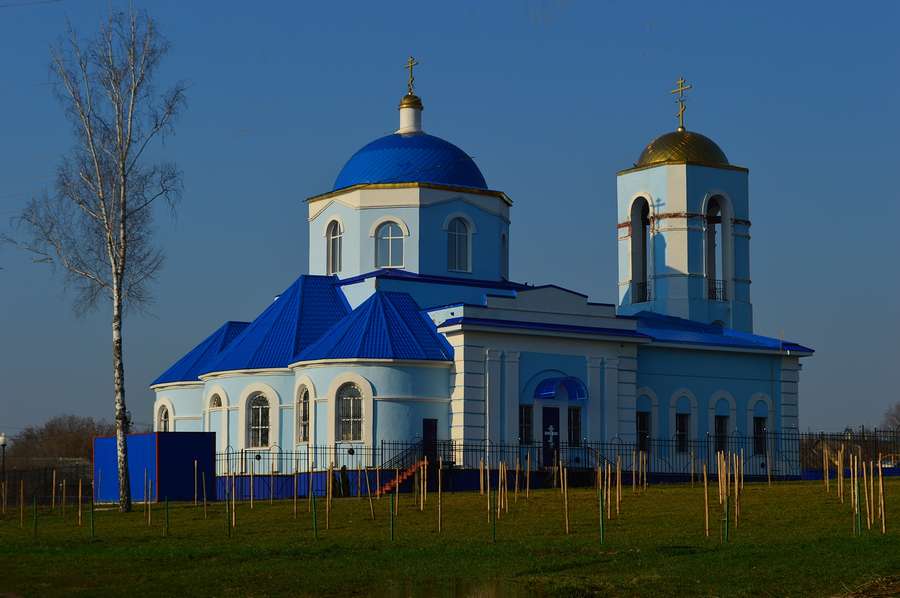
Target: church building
{"x":408,"y":327}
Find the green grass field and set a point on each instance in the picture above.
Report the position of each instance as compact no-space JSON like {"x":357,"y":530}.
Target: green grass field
{"x":792,"y":540}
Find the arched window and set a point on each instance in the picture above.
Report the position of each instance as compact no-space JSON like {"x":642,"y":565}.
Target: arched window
{"x":715,"y":254}
{"x":389,"y":245}
{"x":162,"y":424}
{"x":682,"y":424}
{"x":215,"y":402}
{"x":640,"y":244}
{"x":333,"y":234}
{"x":458,"y":246}
{"x":349,"y":405}
{"x":303,"y":414}
{"x":258,"y":421}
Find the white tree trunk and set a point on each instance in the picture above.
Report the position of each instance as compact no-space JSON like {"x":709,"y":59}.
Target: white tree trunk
{"x":121,"y":414}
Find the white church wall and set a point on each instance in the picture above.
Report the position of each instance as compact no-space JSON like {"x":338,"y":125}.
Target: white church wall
{"x":489,"y":365}
{"x":184,"y":404}
{"x":403,"y":393}
{"x":705,"y":376}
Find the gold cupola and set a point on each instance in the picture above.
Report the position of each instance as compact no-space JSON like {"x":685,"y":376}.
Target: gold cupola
{"x":682,"y":146}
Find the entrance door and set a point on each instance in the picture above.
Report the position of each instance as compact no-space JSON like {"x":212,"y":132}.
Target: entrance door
{"x":550,"y":434}
{"x":429,"y":439}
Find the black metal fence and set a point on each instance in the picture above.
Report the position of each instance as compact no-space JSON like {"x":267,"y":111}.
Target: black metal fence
{"x":780,"y":455}
{"x":34,"y":478}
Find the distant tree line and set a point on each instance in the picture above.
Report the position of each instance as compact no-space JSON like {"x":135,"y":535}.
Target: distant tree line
{"x":63,"y":436}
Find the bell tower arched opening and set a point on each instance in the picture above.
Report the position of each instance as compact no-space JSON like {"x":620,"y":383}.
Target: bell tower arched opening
{"x":640,"y":250}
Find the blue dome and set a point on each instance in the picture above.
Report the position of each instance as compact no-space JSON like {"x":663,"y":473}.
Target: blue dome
{"x":415,"y":158}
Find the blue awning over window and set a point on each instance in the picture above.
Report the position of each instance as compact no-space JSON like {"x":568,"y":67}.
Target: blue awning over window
{"x":574,"y":387}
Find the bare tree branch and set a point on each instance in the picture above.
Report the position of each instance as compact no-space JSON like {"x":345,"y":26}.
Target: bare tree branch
{"x":97,"y":224}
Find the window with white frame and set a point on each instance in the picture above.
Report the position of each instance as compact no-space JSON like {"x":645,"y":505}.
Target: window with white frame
{"x":458,"y":246}
{"x":334,"y":235}
{"x":303,"y":415}
{"x":389,"y":245}
{"x":257,"y":421}
{"x":349,"y":405}
{"x":162,"y":424}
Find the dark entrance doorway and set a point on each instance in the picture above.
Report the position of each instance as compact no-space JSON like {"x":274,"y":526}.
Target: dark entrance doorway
{"x":429,"y":440}
{"x":550,"y":435}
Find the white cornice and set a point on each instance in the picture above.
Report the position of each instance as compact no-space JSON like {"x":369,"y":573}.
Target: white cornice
{"x":234,"y":373}
{"x":175,"y":385}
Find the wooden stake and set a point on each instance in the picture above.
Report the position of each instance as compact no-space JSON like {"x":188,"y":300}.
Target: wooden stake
{"x":63,"y":498}
{"x":79,"y":502}
{"x":205,"y":511}
{"x":309,"y":482}
{"x":565,"y":484}
{"x":705,"y":502}
{"x":252,"y":468}
{"x":881,"y":495}
{"x":481,"y":477}
{"x":608,"y":491}
{"x":271,"y":483}
{"x":440,"y":512}
{"x":618,"y":484}
{"x":488,"y":487}
{"x":53,"y":494}
{"x":397,"y":496}
{"x":528,"y":476}
{"x":22,"y":504}
{"x":233,"y":499}
{"x":866,"y":492}
{"x":633,"y":473}
{"x":195,"y":482}
{"x":692,"y":469}
{"x":295,"y":489}
{"x":369,"y":494}
{"x":516,"y":492}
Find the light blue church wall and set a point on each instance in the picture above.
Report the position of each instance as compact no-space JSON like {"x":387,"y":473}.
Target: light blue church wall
{"x":485,"y":254}
{"x":666,"y":372}
{"x":677,"y":265}
{"x":277,"y":387}
{"x":183,"y":413}
{"x":403,"y":396}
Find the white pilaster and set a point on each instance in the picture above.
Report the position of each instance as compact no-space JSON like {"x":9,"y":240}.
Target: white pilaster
{"x":596,"y":399}
{"x":611,"y":398}
{"x":492,"y":392}
{"x":512,"y":397}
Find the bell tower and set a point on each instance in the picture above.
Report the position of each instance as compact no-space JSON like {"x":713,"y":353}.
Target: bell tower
{"x":684,"y":230}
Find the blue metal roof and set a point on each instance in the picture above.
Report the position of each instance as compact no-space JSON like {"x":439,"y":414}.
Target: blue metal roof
{"x":412,"y":158}
{"x":387,"y":325}
{"x":189,"y":367}
{"x":678,"y":330}
{"x":296,"y":319}
{"x":547,"y":388}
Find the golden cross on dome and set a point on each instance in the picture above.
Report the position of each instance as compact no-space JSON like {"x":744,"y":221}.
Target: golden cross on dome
{"x":680,"y":99}
{"x":410,"y":64}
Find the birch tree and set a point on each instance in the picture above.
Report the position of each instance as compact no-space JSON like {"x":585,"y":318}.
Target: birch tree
{"x":97,"y":223}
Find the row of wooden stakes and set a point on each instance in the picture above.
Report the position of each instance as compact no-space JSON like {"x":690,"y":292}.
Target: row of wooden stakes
{"x":874,"y":507}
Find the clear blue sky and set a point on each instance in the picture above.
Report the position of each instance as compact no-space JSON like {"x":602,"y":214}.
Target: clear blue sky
{"x":551,"y":99}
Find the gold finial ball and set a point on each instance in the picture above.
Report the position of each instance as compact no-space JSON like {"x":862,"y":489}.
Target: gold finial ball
{"x":411,"y":101}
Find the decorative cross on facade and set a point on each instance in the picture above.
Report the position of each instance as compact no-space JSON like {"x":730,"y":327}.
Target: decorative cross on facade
{"x":680,"y":99}
{"x":550,"y":434}
{"x":410,"y":64}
